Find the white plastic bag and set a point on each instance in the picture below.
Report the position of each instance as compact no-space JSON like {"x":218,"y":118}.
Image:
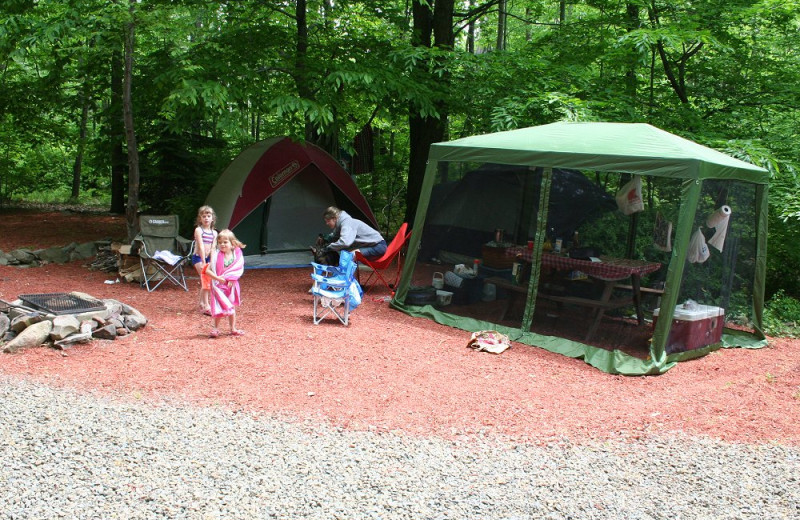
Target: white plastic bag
{"x":629,"y":197}
{"x":354,"y":293}
{"x":698,"y":250}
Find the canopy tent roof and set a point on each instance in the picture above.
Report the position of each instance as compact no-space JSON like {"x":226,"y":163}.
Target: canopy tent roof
{"x":616,"y":147}
{"x":627,"y":148}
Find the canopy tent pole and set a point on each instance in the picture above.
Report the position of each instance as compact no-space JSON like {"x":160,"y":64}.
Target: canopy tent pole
{"x":762,"y":210}
{"x":536,"y":261}
{"x":419,"y":221}
{"x":690,"y":193}
{"x":528,"y":206}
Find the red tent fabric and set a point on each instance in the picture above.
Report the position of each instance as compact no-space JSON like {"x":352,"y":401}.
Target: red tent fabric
{"x":274,"y":193}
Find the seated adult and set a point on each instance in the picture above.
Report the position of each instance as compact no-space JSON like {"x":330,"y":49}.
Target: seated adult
{"x":347,"y":233}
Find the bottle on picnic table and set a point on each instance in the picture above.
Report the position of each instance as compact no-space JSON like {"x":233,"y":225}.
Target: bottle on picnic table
{"x":516,"y":269}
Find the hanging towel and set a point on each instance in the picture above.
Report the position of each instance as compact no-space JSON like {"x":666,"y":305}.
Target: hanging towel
{"x":698,"y":250}
{"x":662,"y":234}
{"x":719,"y":221}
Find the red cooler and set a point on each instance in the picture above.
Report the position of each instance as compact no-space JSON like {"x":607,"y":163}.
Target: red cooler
{"x":693,"y":327}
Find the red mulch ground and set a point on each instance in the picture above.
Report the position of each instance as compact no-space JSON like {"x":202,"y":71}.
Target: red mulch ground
{"x":386,"y":371}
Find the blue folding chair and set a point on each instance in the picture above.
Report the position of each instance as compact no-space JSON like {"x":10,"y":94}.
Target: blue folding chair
{"x":336,"y":290}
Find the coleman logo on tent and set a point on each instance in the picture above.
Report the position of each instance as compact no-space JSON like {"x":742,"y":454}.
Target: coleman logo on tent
{"x":284,"y":173}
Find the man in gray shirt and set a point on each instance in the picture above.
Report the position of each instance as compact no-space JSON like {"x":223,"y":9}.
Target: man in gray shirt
{"x":348,"y":233}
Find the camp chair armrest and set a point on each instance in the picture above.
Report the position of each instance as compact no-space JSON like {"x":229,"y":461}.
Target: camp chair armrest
{"x":328,"y":271}
{"x":330,"y":281}
{"x":186,"y":246}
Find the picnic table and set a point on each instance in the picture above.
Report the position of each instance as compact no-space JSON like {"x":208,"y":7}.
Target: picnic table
{"x":609,"y":270}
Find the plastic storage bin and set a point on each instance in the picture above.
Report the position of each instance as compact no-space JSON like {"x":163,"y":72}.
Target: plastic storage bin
{"x":443,"y":298}
{"x":693,"y":328}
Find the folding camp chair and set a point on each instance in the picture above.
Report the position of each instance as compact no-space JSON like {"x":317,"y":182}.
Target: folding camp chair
{"x":382,"y":264}
{"x":162,"y":252}
{"x":336,"y":291}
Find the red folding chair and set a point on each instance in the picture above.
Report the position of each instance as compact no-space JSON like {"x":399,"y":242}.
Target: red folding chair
{"x":393,"y":251}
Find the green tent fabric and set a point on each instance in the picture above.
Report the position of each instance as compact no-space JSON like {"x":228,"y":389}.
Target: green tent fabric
{"x":632,"y":148}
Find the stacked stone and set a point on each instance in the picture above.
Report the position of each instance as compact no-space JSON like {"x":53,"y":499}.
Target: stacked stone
{"x":25,"y":257}
{"x":22,"y":327}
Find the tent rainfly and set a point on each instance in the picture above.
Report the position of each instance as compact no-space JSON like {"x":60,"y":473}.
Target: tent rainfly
{"x":595,"y":310}
{"x":272,"y":197}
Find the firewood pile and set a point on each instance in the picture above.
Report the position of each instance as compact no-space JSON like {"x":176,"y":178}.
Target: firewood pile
{"x":119,"y":259}
{"x":107,"y":260}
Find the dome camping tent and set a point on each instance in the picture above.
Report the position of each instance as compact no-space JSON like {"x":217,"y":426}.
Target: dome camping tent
{"x":586,"y":304}
{"x":272,"y":197}
{"x":464,"y":212}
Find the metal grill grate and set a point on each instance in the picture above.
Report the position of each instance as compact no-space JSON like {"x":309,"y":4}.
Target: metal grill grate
{"x":61,"y":303}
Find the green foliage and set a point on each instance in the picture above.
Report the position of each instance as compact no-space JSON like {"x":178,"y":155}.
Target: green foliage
{"x":783,"y":257}
{"x":63,"y":195}
{"x":177,"y":172}
{"x":211,"y":78}
{"x":782,"y":315}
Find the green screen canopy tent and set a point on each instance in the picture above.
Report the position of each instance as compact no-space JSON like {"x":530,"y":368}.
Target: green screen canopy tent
{"x":688,"y":179}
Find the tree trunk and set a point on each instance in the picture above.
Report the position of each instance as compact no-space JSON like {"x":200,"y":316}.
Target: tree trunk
{"x":300,"y":56}
{"x":423,"y":131}
{"x":675,"y":70}
{"x":471,"y":31}
{"x":117,"y":135}
{"x":327,"y":140}
{"x":132,"y":208}
{"x":528,"y":30}
{"x":631,"y":24}
{"x":676,"y":80}
{"x":76,"y":166}
{"x":502,"y":17}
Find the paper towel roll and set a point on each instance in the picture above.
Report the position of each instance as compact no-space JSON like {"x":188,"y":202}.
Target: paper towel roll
{"x":719,"y":221}
{"x":718,"y":216}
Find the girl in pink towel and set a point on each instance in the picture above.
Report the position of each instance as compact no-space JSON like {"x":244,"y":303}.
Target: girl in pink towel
{"x":226,"y":267}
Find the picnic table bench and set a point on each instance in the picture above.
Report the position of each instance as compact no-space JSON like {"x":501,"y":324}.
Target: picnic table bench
{"x":608,"y":270}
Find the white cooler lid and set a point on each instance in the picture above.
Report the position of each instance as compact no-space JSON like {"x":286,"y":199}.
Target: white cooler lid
{"x":700,"y":312}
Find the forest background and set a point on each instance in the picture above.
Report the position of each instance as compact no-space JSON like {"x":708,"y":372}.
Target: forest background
{"x":138,"y":105}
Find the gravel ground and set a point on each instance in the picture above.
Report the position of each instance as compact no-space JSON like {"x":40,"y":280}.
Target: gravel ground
{"x":70,"y":455}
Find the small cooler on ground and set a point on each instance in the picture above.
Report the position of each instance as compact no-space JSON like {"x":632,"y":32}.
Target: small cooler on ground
{"x":694,"y":327}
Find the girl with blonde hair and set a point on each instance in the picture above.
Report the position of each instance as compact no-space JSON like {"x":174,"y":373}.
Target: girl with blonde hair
{"x":225,"y":269}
